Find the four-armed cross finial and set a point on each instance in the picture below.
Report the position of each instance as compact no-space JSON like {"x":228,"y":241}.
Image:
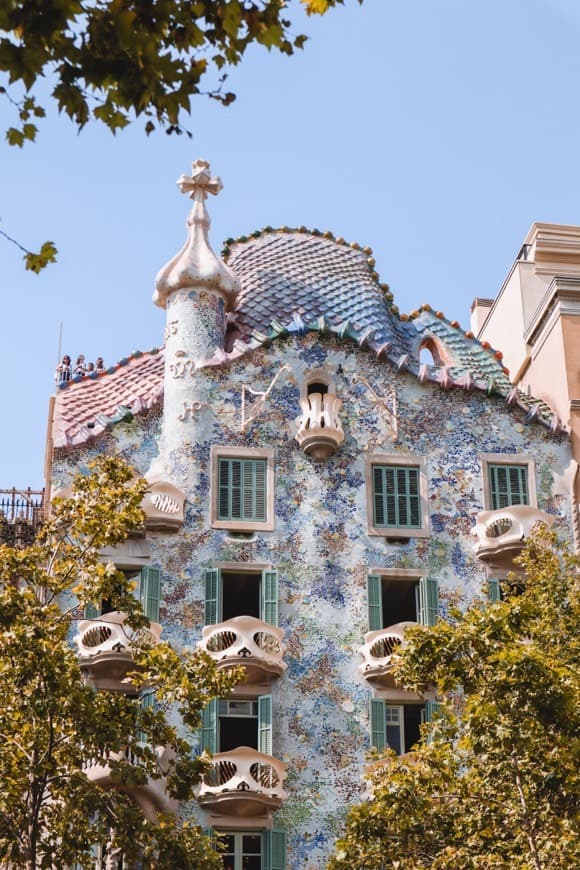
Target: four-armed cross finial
{"x":199,"y":182}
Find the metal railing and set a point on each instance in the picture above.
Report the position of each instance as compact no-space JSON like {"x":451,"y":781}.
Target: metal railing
{"x":21,"y":513}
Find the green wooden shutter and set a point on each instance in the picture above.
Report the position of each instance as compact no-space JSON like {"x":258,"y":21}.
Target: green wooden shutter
{"x":430,"y":710}
{"x":242,"y":485}
{"x":378,"y":732}
{"x":269,"y":597}
{"x":209,"y":727}
{"x":508,"y":484}
{"x":493,"y":589}
{"x":274,"y":850}
{"x":375,"y":602}
{"x":396,"y":496}
{"x":146,"y":702}
{"x":428,"y":600}
{"x":92,"y":612}
{"x":213,"y":597}
{"x":150,"y":592}
{"x":265,"y":724}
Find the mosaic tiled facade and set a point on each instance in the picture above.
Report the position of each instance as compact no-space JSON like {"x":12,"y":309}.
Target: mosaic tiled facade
{"x":303,"y":306}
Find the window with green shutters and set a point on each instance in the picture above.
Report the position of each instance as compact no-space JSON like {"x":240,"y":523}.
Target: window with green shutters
{"x":148,"y":591}
{"x":211,"y":735}
{"x":396,"y":726}
{"x":493,"y":589}
{"x":508,"y":485}
{"x":242,"y":491}
{"x":253,"y":850}
{"x":396,"y":496}
{"x":392,"y":600}
{"x":266,"y":595}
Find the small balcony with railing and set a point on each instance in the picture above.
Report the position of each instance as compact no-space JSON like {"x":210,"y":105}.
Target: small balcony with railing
{"x":378,"y":651}
{"x":150,"y":795}
{"x":106,"y":645}
{"x":21,"y":515}
{"x":501,"y":534}
{"x":242,"y":784}
{"x":247,"y":641}
{"x":320,"y":432}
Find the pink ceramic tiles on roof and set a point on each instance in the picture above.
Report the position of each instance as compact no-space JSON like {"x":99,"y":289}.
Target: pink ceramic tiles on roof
{"x":84,"y":409}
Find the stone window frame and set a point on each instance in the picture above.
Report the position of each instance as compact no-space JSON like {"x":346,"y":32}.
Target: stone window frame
{"x":218,"y":452}
{"x":414,"y":460}
{"x":525,"y":459}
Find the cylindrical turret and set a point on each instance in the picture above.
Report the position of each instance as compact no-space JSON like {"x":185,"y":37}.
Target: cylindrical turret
{"x":196,"y":288}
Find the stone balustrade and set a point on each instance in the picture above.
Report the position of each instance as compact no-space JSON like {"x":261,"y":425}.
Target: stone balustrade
{"x":105,"y":647}
{"x":502,"y":533}
{"x":247,"y":641}
{"x":243,"y":782}
{"x":320,"y":432}
{"x":378,"y":650}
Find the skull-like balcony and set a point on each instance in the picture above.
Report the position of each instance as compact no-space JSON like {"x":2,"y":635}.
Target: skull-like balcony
{"x":246,"y":641}
{"x":106,"y":645}
{"x":151,"y":796}
{"x":378,"y":651}
{"x":243,"y":783}
{"x":320,"y":431}
{"x":501,"y":534}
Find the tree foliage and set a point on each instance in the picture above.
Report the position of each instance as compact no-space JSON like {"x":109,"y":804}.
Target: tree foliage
{"x":495,"y":783}
{"x":53,"y":725}
{"x":114,"y":60}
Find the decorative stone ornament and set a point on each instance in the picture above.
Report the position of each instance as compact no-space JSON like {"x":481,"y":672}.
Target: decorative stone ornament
{"x":320,"y":431}
{"x":196,"y":264}
{"x":163,"y":506}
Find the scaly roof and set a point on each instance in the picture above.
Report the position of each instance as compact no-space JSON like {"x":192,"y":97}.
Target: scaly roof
{"x":293,"y":282}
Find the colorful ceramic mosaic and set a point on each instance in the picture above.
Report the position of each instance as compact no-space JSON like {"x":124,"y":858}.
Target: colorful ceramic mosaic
{"x":309,"y":308}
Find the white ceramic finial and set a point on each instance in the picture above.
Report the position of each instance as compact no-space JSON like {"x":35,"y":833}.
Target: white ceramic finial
{"x":196,"y":265}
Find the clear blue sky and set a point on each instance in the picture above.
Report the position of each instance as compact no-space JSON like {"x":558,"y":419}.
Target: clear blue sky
{"x":436,"y":133}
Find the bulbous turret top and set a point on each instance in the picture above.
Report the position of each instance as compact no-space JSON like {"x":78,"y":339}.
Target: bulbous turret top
{"x":196,"y":264}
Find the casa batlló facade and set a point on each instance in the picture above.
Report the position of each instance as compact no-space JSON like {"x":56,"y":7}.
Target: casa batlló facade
{"x":316,"y":485}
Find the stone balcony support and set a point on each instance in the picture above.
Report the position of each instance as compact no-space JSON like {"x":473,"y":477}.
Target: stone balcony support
{"x":320,"y":431}
{"x":502,"y":534}
{"x":243,"y":784}
{"x":247,"y":641}
{"x":105,"y":647}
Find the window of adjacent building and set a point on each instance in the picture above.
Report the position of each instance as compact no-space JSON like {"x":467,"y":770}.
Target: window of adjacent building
{"x":242,"y":489}
{"x":229,"y":724}
{"x":394,"y":599}
{"x":398,"y":726}
{"x":397,"y":496}
{"x":508,"y":479}
{"x":147,"y":589}
{"x":254,"y":850}
{"x":231,"y":593}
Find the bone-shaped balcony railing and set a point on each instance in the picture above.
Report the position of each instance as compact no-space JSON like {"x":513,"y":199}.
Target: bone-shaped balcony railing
{"x":106,"y":646}
{"x":243,"y":782}
{"x":379,"y":648}
{"x":247,"y":641}
{"x":506,"y":531}
{"x":109,"y":633}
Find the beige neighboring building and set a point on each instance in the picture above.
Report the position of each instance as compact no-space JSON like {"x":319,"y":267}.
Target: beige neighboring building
{"x":535,"y":321}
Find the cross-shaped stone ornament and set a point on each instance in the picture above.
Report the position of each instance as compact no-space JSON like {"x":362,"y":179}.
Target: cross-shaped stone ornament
{"x":200,"y":182}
